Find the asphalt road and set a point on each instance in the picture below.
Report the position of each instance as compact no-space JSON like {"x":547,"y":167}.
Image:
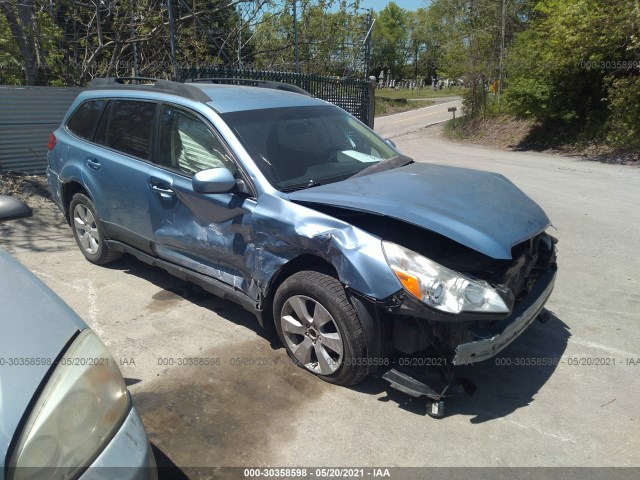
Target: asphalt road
{"x":255,"y":409}
{"x":393,"y":126}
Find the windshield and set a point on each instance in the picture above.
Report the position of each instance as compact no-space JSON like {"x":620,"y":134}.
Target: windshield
{"x":299,"y":147}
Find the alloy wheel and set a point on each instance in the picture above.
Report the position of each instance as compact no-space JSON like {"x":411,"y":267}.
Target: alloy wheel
{"x":86,"y":229}
{"x":312,"y":335}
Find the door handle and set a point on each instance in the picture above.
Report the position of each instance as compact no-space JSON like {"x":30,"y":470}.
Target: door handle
{"x":93,"y":163}
{"x":164,"y":192}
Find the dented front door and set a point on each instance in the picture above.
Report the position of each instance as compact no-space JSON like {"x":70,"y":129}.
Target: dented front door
{"x":206,"y":233}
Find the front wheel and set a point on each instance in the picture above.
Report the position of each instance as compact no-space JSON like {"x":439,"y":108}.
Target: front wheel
{"x":320,"y":328}
{"x":88,"y":231}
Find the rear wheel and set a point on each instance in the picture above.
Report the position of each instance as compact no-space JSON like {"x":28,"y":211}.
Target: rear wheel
{"x":320,"y":328}
{"x":88,"y":231}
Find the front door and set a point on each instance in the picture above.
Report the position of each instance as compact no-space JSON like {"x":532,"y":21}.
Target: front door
{"x":206,"y":233}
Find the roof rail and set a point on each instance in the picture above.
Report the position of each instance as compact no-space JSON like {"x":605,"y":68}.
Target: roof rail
{"x":107,"y":81}
{"x":157,"y":85}
{"x":252,"y":82}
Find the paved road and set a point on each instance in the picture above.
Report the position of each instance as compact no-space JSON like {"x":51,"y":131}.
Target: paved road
{"x":256,"y":409}
{"x":393,"y":126}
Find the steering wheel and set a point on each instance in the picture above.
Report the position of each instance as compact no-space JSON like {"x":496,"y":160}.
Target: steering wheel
{"x":331,"y":153}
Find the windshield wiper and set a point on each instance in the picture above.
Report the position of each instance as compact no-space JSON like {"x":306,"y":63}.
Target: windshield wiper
{"x":315,"y":183}
{"x":388,"y":164}
{"x":300,"y":186}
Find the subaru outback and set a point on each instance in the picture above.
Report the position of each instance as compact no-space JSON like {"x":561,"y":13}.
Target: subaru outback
{"x":297,"y":211}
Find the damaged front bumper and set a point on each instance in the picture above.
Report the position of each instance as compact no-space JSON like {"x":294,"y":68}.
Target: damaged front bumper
{"x":413,"y":329}
{"x":491,"y":341}
{"x":480,"y":343}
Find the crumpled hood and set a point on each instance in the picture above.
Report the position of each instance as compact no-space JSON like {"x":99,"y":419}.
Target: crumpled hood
{"x":481,"y":210}
{"x":35,"y":325}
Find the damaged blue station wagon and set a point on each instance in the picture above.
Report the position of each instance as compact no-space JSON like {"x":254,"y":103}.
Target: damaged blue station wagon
{"x":291,"y":207}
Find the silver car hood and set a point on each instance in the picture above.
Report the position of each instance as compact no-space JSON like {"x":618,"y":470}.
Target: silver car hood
{"x":481,"y":210}
{"x":35,"y":326}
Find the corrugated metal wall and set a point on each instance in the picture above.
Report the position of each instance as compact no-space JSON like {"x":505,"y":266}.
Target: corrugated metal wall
{"x":27,"y":116}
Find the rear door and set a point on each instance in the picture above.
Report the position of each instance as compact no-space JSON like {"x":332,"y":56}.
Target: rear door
{"x":207,"y":233}
{"x":116,"y":170}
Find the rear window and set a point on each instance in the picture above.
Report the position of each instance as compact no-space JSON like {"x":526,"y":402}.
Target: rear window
{"x":84,"y":119}
{"x":130,"y":127}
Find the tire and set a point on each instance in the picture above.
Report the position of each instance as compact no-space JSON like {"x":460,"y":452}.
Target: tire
{"x":88,"y":231}
{"x":319,"y":327}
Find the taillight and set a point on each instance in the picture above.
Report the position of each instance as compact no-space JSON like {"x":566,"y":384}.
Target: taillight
{"x":52,"y":141}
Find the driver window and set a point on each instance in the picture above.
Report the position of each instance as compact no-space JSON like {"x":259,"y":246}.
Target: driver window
{"x":188,"y":145}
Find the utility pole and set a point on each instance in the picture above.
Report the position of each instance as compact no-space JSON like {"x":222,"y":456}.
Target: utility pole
{"x":239,"y":26}
{"x":367,"y":44}
{"x":295,"y":34}
{"x":134,"y":45}
{"x":504,"y":17}
{"x":172,"y":41}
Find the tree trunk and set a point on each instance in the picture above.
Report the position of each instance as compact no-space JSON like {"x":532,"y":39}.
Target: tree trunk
{"x":19,"y":34}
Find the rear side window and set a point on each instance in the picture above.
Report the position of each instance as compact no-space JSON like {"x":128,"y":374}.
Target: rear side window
{"x":101,"y":132}
{"x":84,"y":119}
{"x":130,"y":127}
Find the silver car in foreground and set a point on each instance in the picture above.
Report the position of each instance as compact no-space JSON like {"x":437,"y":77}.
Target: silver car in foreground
{"x":65,"y":411}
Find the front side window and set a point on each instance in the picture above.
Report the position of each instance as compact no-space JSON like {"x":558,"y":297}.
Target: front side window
{"x":83,"y":121}
{"x":188,"y":145}
{"x":130,"y":127}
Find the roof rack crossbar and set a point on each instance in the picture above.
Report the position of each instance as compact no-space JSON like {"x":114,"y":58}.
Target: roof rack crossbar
{"x":159,"y":85}
{"x":253,"y":82}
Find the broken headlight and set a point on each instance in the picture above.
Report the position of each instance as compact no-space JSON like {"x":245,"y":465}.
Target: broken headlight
{"x":440,"y":287}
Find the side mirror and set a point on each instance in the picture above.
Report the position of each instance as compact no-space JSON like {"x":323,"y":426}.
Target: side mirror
{"x":214,"y":180}
{"x":12,"y":208}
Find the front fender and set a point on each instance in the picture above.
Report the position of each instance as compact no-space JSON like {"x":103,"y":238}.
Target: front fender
{"x":284,"y":230}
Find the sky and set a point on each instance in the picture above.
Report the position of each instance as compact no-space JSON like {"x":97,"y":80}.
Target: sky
{"x":378,"y":5}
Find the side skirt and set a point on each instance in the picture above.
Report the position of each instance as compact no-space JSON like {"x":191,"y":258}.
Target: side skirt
{"x":209,"y":284}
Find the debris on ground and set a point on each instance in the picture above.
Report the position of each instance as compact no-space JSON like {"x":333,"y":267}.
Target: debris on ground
{"x":34,"y":190}
{"x":24,"y":186}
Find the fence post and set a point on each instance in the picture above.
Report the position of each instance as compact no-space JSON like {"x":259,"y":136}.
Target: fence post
{"x":372,"y":101}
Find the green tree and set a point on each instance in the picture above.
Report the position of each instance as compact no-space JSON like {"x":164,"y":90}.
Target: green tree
{"x":419,"y":36}
{"x":469,"y":40}
{"x":10,"y":65}
{"x":391,"y":41}
{"x":577,"y":65}
{"x":330,"y":35}
{"x":70,"y":42}
{"x":32,"y":35}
